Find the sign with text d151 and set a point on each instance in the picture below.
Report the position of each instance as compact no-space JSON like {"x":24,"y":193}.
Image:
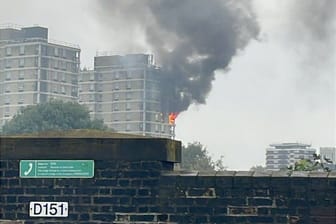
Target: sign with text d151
{"x":48,"y":209}
{"x":56,"y":168}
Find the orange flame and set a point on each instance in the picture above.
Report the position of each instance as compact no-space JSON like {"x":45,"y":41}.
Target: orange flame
{"x":171,"y":118}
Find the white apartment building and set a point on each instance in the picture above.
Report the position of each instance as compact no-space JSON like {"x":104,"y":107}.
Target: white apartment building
{"x":34,"y":70}
{"x":286,"y":154}
{"x":124,"y":91}
{"x":329,"y":153}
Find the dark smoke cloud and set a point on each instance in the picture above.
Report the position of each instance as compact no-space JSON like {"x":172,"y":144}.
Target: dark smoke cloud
{"x":317,"y":18}
{"x":191,"y":39}
{"x":312,"y":35}
{"x":313,"y":29}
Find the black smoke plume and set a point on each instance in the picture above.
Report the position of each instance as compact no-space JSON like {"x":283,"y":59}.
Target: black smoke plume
{"x":312,"y":34}
{"x":313,"y":23}
{"x":191,"y":39}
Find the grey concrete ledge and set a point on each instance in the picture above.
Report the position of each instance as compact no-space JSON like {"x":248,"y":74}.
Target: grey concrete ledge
{"x":282,"y":174}
{"x":129,"y":149}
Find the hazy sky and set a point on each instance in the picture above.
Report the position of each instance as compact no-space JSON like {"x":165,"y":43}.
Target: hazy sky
{"x":280,"y":88}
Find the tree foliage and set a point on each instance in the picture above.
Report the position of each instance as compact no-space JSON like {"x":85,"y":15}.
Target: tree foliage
{"x":196,"y":157}
{"x":52,"y":116}
{"x":309,"y":165}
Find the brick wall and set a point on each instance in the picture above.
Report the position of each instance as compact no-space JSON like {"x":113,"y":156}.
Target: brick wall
{"x":135,"y":182}
{"x":248,"y":197}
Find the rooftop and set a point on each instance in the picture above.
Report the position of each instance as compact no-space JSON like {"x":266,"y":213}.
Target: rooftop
{"x":290,"y":145}
{"x":13,"y":33}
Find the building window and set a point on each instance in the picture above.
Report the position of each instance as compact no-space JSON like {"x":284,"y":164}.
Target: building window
{"x":128,"y":106}
{"x":115,"y":107}
{"x":55,"y":76}
{"x":7,"y":111}
{"x":100,"y":77}
{"x":8,"y":63}
{"x":128,"y":85}
{"x":7,"y":89}
{"x":128,"y":96}
{"x":91,"y":98}
{"x":7,"y":99}
{"x":21,"y":62}
{"x":22,"y":50}
{"x":55,"y":89}
{"x":99,"y":108}
{"x":115,"y":117}
{"x":56,"y":51}
{"x":21,"y":87}
{"x":64,"y":53}
{"x":91,"y":87}
{"x":116,"y":96}
{"x":128,"y":75}
{"x":92,"y":77}
{"x":99,"y":97}
{"x":63,"y":77}
{"x":21,"y":75}
{"x":8,"y":76}
{"x":99,"y":88}
{"x":116,"y":76}
{"x":21,"y":99}
{"x":91,"y":108}
{"x":63,"y":89}
{"x":8,"y":51}
{"x":63,"y":65}
{"x":128,"y":127}
{"x":116,"y":86}
{"x":37,"y":49}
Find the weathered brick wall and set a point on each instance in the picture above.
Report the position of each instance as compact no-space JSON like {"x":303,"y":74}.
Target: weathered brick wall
{"x":248,"y":197}
{"x":118,"y":187}
{"x":134,"y":182}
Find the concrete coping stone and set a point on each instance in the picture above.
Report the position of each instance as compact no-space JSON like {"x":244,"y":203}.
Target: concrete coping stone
{"x":244,"y":173}
{"x":281,"y":173}
{"x":207,"y":173}
{"x":318,"y":174}
{"x":299,"y":174}
{"x":226,"y":173}
{"x":11,"y":222}
{"x":180,"y":173}
{"x":263,"y":173}
{"x":332,"y":174}
{"x":303,"y":174}
{"x":128,"y":149}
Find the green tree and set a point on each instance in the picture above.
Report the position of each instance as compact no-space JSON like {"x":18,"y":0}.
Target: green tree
{"x":196,"y":157}
{"x":52,"y":116}
{"x":309,"y":165}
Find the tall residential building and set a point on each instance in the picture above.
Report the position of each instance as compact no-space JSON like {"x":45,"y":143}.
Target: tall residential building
{"x":124,"y":91}
{"x":34,"y":70}
{"x":286,"y":154}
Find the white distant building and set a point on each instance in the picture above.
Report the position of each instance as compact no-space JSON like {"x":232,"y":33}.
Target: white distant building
{"x":286,"y":154}
{"x":329,"y":153}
